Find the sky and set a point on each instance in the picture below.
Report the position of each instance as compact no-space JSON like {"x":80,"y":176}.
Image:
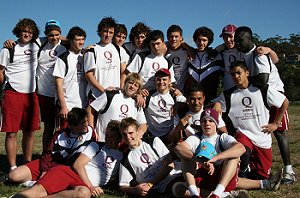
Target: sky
{"x":266,"y":18}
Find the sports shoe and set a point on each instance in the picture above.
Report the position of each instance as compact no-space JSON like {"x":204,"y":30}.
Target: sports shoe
{"x":273,"y":184}
{"x":289,"y":178}
{"x":28,"y":183}
{"x":238,"y":194}
{"x":179,"y":189}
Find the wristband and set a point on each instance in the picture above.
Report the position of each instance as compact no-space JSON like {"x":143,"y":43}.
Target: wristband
{"x":150,"y":184}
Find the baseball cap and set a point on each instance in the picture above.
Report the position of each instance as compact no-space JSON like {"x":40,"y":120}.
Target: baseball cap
{"x":163,"y":71}
{"x":51,"y":23}
{"x":211,"y":114}
{"x":205,"y":150}
{"x":228,"y":29}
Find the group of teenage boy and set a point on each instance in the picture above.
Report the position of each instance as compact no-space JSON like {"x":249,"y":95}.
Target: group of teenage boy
{"x":147,"y":112}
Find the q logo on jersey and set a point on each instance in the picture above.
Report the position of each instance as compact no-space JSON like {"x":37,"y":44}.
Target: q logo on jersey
{"x":155,"y":66}
{"x":176,"y":60}
{"x":246,"y":101}
{"x":162,"y":104}
{"x":108,"y":56}
{"x":109,"y":161}
{"x":28,"y":52}
{"x":52,"y":53}
{"x":145,"y":159}
{"x":124,"y":109}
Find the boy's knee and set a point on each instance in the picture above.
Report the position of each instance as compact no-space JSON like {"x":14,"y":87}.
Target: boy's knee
{"x":83,"y":192}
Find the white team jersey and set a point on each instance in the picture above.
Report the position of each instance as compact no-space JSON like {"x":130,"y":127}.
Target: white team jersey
{"x":44,"y":72}
{"x":20,"y":74}
{"x":248,"y":112}
{"x":119,"y":108}
{"x":124,"y":55}
{"x":195,"y":120}
{"x":106,"y":66}
{"x":226,"y":141}
{"x":104,"y":163}
{"x":229,"y":56}
{"x":159,"y":113}
{"x":132,"y":50}
{"x":152,"y":64}
{"x":74,"y":82}
{"x":179,"y":60}
{"x":146,"y":164}
{"x":261,"y":64}
{"x":202,"y":61}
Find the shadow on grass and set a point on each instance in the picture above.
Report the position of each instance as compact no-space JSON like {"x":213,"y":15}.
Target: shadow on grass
{"x":4,"y":163}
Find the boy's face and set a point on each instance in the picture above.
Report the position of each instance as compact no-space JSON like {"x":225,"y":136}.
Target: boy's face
{"x":25,"y":35}
{"x":175,"y":40}
{"x":139,"y":40}
{"x":53,"y":37}
{"x":202,"y":43}
{"x":106,"y":35}
{"x":77,"y":43}
{"x":81,"y":127}
{"x":239,"y":77}
{"x":208,"y":126}
{"x":131,"y":88}
{"x":119,"y":38}
{"x":157,"y":47}
{"x":131,"y":137}
{"x":229,"y":40}
{"x":196,"y":101}
{"x":162,"y":83}
{"x":112,"y":139}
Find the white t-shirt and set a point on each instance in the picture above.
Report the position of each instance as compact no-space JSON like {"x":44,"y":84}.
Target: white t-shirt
{"x":146,"y":164}
{"x":132,"y":50}
{"x":264,"y":64}
{"x":46,"y":62}
{"x":120,"y":107}
{"x":74,"y":82}
{"x":20,"y":74}
{"x":104,"y":163}
{"x":179,"y":60}
{"x":215,"y":140}
{"x":106,"y":66}
{"x":248,"y":112}
{"x":152,"y":64}
{"x":159,"y":113}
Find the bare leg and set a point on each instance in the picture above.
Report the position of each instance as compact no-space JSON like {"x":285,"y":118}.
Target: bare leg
{"x":228,"y":171}
{"x":248,"y":184}
{"x":20,"y":174}
{"x":27,"y":145}
{"x":11,"y":148}
{"x":77,"y":192}
{"x":36,"y":191}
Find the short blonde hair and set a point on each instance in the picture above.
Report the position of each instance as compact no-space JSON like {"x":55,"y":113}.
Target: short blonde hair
{"x":135,"y":77}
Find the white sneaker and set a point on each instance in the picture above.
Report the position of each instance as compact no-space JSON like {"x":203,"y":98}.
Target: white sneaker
{"x":289,"y":178}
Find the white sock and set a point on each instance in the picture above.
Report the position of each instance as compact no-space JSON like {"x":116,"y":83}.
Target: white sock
{"x":13,"y":168}
{"x":288,"y":169}
{"x":193,"y":190}
{"x":219,"y":190}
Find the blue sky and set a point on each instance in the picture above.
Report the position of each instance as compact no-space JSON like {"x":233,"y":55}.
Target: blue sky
{"x":266,"y":18}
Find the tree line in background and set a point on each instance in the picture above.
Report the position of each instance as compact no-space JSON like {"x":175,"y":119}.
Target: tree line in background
{"x":288,"y":51}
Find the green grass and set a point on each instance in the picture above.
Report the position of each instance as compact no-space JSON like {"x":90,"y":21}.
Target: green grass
{"x":291,"y":191}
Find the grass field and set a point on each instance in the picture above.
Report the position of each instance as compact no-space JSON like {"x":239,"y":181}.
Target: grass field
{"x":292,"y":191}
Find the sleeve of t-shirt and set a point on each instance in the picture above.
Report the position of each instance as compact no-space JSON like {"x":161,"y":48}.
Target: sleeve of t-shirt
{"x":227,"y":141}
{"x":141,"y":118}
{"x":4,"y":57}
{"x":193,"y":141}
{"x":262,"y":64}
{"x":100,"y":103}
{"x":59,"y":68}
{"x":173,"y":80}
{"x":160,"y":147}
{"x":91,"y":150}
{"x":124,"y":56}
{"x":274,"y":97}
{"x":89,"y":61}
{"x":221,"y":122}
{"x":135,"y":64}
{"x":124,"y":176}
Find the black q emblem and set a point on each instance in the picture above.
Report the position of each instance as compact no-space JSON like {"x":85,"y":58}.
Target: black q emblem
{"x":145,"y":159}
{"x":176,"y":60}
{"x":246,"y":101}
{"x":162,"y":104}
{"x":52,"y":53}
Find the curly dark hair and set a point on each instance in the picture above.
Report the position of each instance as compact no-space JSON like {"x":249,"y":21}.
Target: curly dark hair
{"x":26,"y":23}
{"x":206,"y":32}
{"x":75,"y":31}
{"x":106,"y":22}
{"x":140,"y":28}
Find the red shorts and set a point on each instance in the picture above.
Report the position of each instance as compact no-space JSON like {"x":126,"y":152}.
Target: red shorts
{"x":284,"y":125}
{"x":34,"y":167}
{"x":47,"y":108}
{"x":20,"y":111}
{"x":60,"y":178}
{"x":210,"y":182}
{"x":261,"y":159}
